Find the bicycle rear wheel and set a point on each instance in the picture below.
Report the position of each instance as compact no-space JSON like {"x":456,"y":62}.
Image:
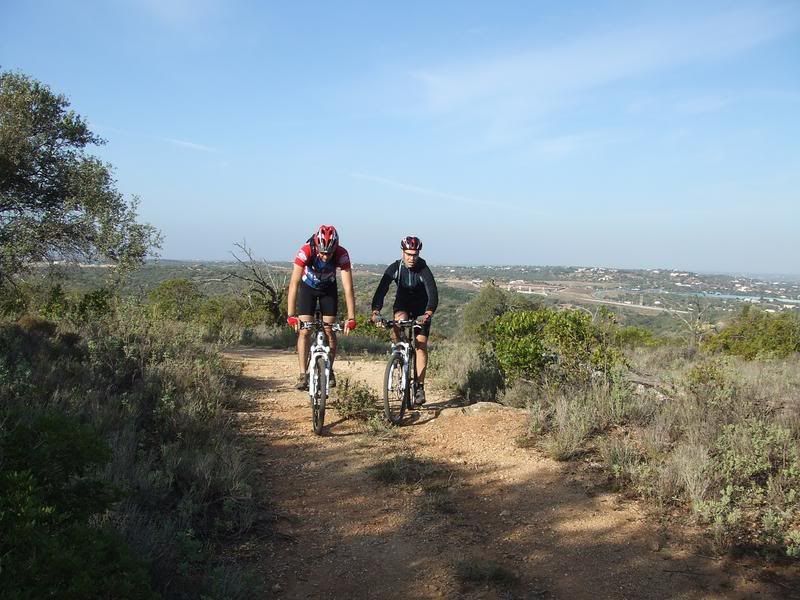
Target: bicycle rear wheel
{"x":394,"y":392}
{"x":320,"y":395}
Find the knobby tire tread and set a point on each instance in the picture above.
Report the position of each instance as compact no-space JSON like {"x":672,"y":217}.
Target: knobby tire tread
{"x":394,"y":400}
{"x":318,"y":404}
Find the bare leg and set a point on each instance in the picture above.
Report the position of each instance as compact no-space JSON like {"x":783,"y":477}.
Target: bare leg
{"x":303,"y":343}
{"x":395,"y":332}
{"x":331,"y":335}
{"x":422,"y":358}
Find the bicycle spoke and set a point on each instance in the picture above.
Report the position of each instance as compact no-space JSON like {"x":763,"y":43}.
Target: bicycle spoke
{"x":394,"y":392}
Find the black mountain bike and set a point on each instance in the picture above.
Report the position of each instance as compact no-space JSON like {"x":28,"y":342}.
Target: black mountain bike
{"x":400,"y":379}
{"x":318,"y":370}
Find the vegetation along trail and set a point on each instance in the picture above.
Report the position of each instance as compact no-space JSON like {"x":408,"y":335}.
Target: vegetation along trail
{"x":449,"y":506}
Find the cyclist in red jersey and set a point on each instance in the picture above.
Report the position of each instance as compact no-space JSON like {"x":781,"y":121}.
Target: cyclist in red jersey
{"x":312,"y":285}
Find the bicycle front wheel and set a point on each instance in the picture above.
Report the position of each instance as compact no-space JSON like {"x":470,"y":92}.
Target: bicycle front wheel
{"x":394,"y":392}
{"x":320,"y":395}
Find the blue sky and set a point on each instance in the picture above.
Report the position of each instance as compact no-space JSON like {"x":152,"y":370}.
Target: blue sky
{"x":626,"y":134}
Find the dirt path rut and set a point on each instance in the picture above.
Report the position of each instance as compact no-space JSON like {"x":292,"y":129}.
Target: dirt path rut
{"x":478,"y":518}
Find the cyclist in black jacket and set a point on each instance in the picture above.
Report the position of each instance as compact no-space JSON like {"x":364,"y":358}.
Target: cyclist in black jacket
{"x":417,"y":298}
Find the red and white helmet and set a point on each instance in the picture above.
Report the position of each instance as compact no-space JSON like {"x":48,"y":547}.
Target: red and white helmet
{"x":326,"y":239}
{"x":411,"y":242}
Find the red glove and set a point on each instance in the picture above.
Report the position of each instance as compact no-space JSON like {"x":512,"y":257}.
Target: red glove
{"x":292,"y":321}
{"x":350,"y":325}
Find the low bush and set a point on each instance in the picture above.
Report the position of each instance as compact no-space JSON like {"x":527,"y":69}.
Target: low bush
{"x":356,"y":400}
{"x":157,"y":397}
{"x":758,"y":334}
{"x":404,"y":469}
{"x":720,"y":437}
{"x":756,"y":503}
{"x":636,"y":337}
{"x":468,"y":370}
{"x":53,"y":542}
{"x":551,"y":346}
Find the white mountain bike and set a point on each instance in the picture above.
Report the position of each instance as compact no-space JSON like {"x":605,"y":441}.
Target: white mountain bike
{"x":400,"y":378}
{"x":318,"y":370}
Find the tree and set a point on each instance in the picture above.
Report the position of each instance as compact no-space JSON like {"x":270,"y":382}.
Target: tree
{"x":264,"y":287}
{"x":491,"y":302}
{"x":56,"y":201}
{"x":695,"y":321}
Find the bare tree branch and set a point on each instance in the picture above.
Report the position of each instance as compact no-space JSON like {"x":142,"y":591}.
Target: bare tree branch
{"x":269,"y":289}
{"x":694,"y":320}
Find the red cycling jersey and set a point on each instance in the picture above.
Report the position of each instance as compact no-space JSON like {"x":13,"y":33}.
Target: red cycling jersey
{"x":318,"y":273}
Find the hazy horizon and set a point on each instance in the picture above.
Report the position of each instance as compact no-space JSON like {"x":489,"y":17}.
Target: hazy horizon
{"x":230,"y":259}
{"x":610,"y":133}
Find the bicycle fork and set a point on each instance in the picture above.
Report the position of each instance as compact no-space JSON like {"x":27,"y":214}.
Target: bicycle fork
{"x":313,"y":383}
{"x":401,"y":351}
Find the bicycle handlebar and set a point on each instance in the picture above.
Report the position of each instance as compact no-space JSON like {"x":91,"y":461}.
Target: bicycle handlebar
{"x":313,"y":324}
{"x":401,"y":323}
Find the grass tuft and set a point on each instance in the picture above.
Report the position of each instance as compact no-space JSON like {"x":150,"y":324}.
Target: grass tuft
{"x":404,"y":469}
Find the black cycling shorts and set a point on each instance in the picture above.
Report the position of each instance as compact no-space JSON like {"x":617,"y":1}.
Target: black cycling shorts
{"x":308,"y":298}
{"x":415,"y":307}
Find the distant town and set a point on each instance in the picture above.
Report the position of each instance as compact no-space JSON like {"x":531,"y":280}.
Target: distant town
{"x":644,"y":290}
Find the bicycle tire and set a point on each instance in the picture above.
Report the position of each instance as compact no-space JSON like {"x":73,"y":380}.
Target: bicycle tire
{"x":411,"y":396}
{"x":394,"y":393}
{"x":320,"y":395}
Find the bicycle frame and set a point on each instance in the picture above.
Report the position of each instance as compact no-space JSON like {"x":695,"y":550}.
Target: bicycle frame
{"x":320,"y":349}
{"x":408,"y":352}
{"x":404,"y":350}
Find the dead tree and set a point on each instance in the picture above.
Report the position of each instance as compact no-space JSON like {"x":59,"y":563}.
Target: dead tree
{"x":694,"y":320}
{"x":264,"y":287}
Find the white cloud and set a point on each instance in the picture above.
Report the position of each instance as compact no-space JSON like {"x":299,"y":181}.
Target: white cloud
{"x":423,"y":191}
{"x":507,"y":94}
{"x":185,"y":144}
{"x":174,"y":141}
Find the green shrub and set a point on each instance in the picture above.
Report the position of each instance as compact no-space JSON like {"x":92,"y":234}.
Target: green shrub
{"x":757,"y":467}
{"x":519,"y":394}
{"x":94,"y":304}
{"x":280,"y":337}
{"x":356,"y":400}
{"x":525,"y":343}
{"x":468,"y":370}
{"x":50,"y":493}
{"x":635,"y":337}
{"x":518,"y":340}
{"x":491,"y":302}
{"x":572,"y":422}
{"x":622,"y":458}
{"x":708,"y":383}
{"x":758,"y":334}
{"x":226,"y":317}
{"x":158,"y":395}
{"x":177,"y":299}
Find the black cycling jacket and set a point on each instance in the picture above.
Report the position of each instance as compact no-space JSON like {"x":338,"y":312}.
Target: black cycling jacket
{"x":416,"y":283}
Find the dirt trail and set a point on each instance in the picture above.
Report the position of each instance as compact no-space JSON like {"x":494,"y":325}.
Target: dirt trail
{"x":548,"y":529}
